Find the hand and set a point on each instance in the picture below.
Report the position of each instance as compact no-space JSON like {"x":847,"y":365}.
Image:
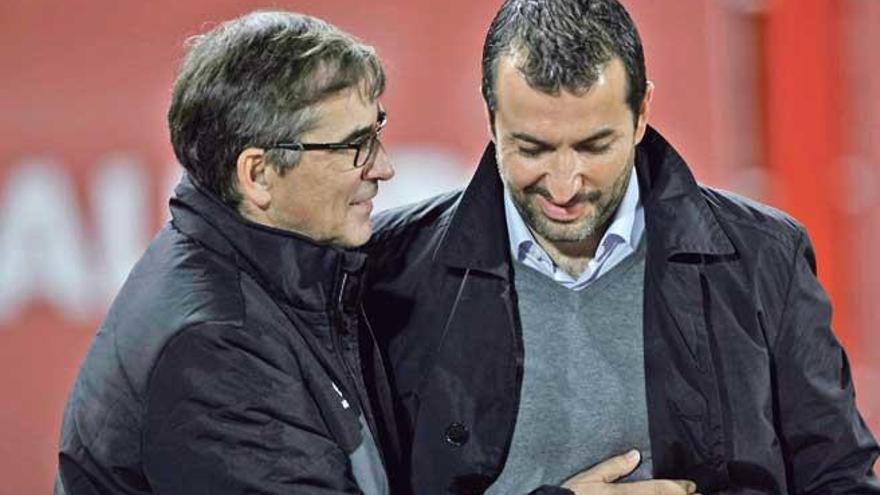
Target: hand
{"x":601,"y":480}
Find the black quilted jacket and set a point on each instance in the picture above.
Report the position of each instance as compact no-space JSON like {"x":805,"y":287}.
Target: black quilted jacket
{"x":234,"y":360}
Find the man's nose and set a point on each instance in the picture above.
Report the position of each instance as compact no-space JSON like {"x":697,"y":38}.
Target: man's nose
{"x":380,"y":167}
{"x":564,"y":179}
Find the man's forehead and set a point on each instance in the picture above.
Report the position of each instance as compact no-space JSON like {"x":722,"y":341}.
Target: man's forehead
{"x":511,"y":77}
{"x":526,"y":108}
{"x":342,"y":114}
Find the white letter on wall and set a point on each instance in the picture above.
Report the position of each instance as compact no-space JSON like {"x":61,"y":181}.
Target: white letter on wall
{"x":119,"y":202}
{"x":41,"y":241}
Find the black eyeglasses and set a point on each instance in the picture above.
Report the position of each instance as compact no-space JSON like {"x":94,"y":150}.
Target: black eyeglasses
{"x":365,"y":147}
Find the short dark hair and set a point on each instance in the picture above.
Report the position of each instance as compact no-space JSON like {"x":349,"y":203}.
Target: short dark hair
{"x":251,"y":82}
{"x":564,"y":44}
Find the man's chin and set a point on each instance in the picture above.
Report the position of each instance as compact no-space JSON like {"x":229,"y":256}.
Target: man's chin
{"x":563,"y":231}
{"x":564,"y":238}
{"x":356,"y":235}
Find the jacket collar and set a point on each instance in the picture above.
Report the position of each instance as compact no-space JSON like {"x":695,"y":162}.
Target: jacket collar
{"x":676,"y":214}
{"x":293,"y":267}
{"x":476,"y":236}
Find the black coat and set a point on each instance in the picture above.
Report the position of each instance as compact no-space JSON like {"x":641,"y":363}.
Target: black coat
{"x":228,"y":363}
{"x":748,"y":391}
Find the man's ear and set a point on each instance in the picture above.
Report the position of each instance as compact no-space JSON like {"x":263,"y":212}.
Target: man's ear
{"x":254,"y":178}
{"x":644,"y":112}
{"x":490,"y":122}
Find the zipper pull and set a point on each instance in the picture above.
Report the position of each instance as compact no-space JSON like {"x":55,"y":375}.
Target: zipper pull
{"x":345,"y":404}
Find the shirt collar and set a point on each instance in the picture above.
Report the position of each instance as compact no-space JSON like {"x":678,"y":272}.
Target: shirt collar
{"x":521,"y":239}
{"x":627,"y":226}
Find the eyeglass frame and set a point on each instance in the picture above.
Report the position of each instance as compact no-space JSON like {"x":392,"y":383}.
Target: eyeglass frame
{"x":371,"y":140}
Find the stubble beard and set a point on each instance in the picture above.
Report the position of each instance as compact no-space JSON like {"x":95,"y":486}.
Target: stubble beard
{"x":604,"y":207}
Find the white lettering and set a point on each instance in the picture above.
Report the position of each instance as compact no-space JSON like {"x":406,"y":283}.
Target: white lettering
{"x":41,"y":241}
{"x":119,"y":203}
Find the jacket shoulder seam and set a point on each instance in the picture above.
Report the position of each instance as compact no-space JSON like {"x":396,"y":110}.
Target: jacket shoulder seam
{"x":783,"y":229}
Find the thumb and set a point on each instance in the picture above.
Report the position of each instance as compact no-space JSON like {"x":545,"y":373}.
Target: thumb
{"x":611,"y":470}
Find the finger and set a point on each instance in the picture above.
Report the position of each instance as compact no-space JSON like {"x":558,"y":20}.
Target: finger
{"x":611,"y":470}
{"x":657,"y":487}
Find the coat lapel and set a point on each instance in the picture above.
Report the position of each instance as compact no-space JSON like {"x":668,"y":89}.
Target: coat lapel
{"x":685,"y":413}
{"x":476,"y":237}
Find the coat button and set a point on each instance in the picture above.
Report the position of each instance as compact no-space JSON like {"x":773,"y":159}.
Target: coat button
{"x":457,"y":434}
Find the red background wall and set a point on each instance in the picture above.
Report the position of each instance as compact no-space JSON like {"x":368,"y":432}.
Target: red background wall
{"x":777,"y":99}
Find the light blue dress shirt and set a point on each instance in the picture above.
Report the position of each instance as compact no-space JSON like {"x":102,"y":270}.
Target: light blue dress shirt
{"x":620,"y":240}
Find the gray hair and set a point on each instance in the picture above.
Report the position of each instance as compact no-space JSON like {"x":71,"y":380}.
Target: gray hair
{"x":564,"y":44}
{"x":251,"y":82}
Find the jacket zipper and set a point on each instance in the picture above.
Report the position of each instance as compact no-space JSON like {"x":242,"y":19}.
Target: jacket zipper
{"x":340,"y":350}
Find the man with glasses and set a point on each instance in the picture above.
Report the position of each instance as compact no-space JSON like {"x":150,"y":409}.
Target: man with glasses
{"x":235,"y":359}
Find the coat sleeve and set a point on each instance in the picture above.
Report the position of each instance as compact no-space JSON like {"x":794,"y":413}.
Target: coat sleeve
{"x":827,"y":446}
{"x":227,"y":413}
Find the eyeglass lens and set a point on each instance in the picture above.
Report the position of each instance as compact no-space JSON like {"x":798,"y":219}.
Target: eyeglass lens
{"x":366,"y":152}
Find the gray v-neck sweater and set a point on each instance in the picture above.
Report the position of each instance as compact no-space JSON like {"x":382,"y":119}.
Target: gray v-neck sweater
{"x":583,"y":391}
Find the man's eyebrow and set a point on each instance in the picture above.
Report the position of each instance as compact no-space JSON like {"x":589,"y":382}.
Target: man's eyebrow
{"x":592,"y":139}
{"x":530,"y":139}
{"x":365,"y":130}
{"x":357,"y":133}
{"x":597,"y":136}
